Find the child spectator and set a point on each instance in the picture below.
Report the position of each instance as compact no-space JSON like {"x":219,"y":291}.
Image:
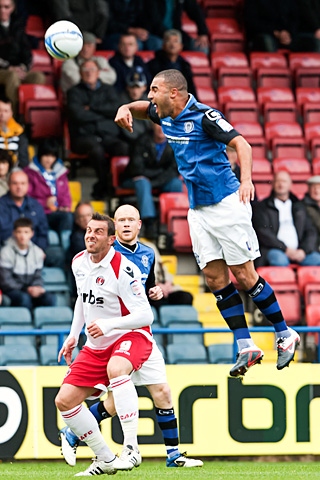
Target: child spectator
{"x":48,"y":183}
{"x":21,"y":263}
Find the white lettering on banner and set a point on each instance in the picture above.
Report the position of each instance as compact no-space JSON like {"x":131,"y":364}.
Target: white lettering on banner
{"x":13,"y":403}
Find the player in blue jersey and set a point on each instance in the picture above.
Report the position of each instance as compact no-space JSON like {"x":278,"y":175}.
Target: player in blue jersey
{"x":220,"y":212}
{"x":152,"y":374}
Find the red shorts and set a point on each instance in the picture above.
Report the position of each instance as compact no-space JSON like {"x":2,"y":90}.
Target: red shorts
{"x":90,"y":366}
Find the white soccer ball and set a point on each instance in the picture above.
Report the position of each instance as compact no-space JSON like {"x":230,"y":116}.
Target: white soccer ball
{"x":63,"y":40}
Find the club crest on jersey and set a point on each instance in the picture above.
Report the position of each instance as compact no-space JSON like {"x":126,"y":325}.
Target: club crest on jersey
{"x":136,"y":287}
{"x":100,"y":280}
{"x":188,"y":126}
{"x":145,"y":260}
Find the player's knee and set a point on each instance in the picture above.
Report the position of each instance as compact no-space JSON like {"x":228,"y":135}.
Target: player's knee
{"x":162,"y":396}
{"x":61,"y":402}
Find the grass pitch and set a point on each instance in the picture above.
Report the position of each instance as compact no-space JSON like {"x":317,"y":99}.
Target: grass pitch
{"x":156,"y":470}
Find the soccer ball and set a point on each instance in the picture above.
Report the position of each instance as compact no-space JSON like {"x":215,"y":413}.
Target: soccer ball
{"x":63,"y":40}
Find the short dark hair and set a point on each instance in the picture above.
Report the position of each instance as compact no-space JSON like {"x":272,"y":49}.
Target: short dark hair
{"x":48,"y":146}
{"x":105,"y":218}
{"x":6,"y":157}
{"x":174,"y":79}
{"x":22,"y":222}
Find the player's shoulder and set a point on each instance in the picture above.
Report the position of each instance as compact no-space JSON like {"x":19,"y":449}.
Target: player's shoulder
{"x":78,"y":258}
{"x":146,"y":249}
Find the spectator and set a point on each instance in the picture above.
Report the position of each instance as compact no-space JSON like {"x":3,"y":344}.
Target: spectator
{"x":90,"y":16}
{"x":21,"y":263}
{"x":12,"y":136}
{"x":70,"y":71}
{"x":48,"y":183}
{"x":284,"y":229}
{"x":15,"y":204}
{"x":91,"y":108}
{"x":152,"y":165}
{"x":271,"y":25}
{"x":5,"y":169}
{"x":125,"y":60}
{"x":136,"y":85}
{"x":82,"y":214}
{"x":172,"y":294}
{"x":312,"y":202}
{"x":309,"y":25}
{"x":15,"y":53}
{"x":130,"y":16}
{"x":169,"y":57}
{"x":171,"y":12}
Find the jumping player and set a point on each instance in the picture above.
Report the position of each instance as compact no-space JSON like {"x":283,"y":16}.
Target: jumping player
{"x":220,"y":212}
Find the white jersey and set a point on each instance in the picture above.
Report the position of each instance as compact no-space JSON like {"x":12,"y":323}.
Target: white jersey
{"x":111,"y":294}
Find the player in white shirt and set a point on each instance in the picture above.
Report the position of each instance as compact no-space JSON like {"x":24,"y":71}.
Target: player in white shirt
{"x":113,"y":305}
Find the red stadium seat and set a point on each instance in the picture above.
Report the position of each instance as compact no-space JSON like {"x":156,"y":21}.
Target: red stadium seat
{"x":43,"y":118}
{"x":299,"y":168}
{"x":299,"y":189}
{"x":289,"y":147}
{"x":280,"y":112}
{"x":206,"y":95}
{"x":222,"y":25}
{"x":43,"y":62}
{"x":241,"y":111}
{"x":173,"y":215}
{"x":220,"y":8}
{"x":249,"y":129}
{"x":278,"y":276}
{"x":267,"y":60}
{"x":304,"y":95}
{"x":229,"y":60}
{"x":307,"y":77}
{"x":316,"y":166}
{"x":35,"y":92}
{"x":304,"y":59}
{"x":236,"y":94}
{"x":270,"y":94}
{"x":313,"y":319}
{"x":286,"y":130}
{"x":261,"y":170}
{"x":263,"y":189}
{"x":311,"y":131}
{"x":308,"y":281}
{"x":108,"y":53}
{"x":235,"y":76}
{"x":311,"y":112}
{"x":199,"y":62}
{"x":35,"y":27}
{"x":118,"y":164}
{"x":274,"y":77}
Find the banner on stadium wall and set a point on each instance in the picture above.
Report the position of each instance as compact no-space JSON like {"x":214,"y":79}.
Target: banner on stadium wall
{"x":268,"y":413}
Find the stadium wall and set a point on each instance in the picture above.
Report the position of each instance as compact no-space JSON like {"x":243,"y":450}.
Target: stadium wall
{"x":268,"y":413}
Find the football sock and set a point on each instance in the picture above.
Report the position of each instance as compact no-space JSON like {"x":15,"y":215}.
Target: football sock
{"x":84,"y":425}
{"x":99,"y":412}
{"x":263,"y":296}
{"x":126,"y":403}
{"x":231,"y":308}
{"x":168,"y":424}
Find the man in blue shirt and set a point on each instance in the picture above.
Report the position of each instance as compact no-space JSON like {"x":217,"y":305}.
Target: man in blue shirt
{"x":220,"y":212}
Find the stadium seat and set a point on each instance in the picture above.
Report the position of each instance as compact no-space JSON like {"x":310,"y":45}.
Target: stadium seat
{"x":118,"y":164}
{"x":311,"y":112}
{"x":311,"y":131}
{"x":289,"y":147}
{"x":173,"y":208}
{"x":17,"y":339}
{"x":52,"y":316}
{"x":241,"y":112}
{"x":190,"y":353}
{"x":185,"y":337}
{"x":267,"y":60}
{"x":227,"y":42}
{"x":172,"y":201}
{"x":238,"y":94}
{"x":189,"y":283}
{"x":207,"y":96}
{"x":177,"y":313}
{"x":235,"y":77}
{"x":15,"y":355}
{"x":263,"y":189}
{"x":284,"y":276}
{"x":43,"y":62}
{"x":221,"y":8}
{"x":306,"y":69}
{"x":48,"y":355}
{"x":313,"y":319}
{"x":229,"y":60}
{"x":316,"y":166}
{"x":199,"y":62}
{"x":288,"y":130}
{"x":35,"y":26}
{"x":16,"y":316}
{"x":274,"y":77}
{"x":280,"y":112}
{"x":76,"y":193}
{"x":55,"y":281}
{"x":309,"y":283}
{"x":146,"y":55}
{"x":274,"y":94}
{"x":43,"y":119}
{"x":307,"y":95}
{"x":261,"y":170}
{"x":299,"y":168}
{"x":223,"y":25}
{"x":34,"y":92}
{"x":158,"y":337}
{"x":299,"y":189}
{"x":249,"y":129}
{"x":170,"y":262}
{"x":221,"y":353}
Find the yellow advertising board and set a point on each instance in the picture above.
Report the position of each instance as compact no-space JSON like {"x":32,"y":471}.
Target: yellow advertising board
{"x":268,"y":413}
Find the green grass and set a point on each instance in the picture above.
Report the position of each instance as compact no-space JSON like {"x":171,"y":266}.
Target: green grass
{"x":212,"y":470}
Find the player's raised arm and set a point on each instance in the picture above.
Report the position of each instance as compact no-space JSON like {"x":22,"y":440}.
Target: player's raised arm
{"x":127,"y":112}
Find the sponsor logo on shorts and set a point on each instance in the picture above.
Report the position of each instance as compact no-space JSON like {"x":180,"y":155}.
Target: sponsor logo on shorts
{"x":188,"y":126}
{"x":100,"y":281}
{"x":257,"y":290}
{"x":124,"y":347}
